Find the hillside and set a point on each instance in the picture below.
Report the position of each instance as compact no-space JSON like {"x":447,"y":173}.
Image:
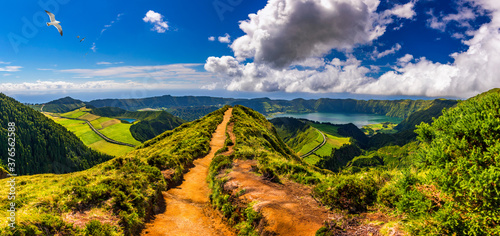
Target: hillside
{"x":443,"y":183}
{"x":41,"y":145}
{"x":165,"y":101}
{"x":191,"y":113}
{"x":63,"y":105}
{"x":304,"y":135}
{"x":262,"y":188}
{"x":104,"y":134}
{"x":115,"y":197}
{"x":426,"y":115}
{"x":150,"y":124}
{"x":266,"y":106}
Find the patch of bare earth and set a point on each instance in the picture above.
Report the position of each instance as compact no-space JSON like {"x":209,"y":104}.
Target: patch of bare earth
{"x":188,"y":210}
{"x":81,"y":218}
{"x":369,"y":223}
{"x":287,"y":208}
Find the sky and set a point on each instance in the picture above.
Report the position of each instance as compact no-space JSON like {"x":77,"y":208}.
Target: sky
{"x":250,"y":48}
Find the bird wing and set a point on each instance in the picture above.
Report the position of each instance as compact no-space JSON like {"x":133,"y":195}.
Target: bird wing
{"x":59,"y":28}
{"x":52,"y":17}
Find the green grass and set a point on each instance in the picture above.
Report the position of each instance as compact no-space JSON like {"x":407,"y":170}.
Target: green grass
{"x":312,"y":159}
{"x":327,"y":129}
{"x":80,"y":129}
{"x":91,"y":139}
{"x":96,"y":124}
{"x":120,"y":132}
{"x":336,"y":141}
{"x":76,"y":113}
{"x":332,"y":142}
{"x":313,"y":139}
{"x":124,"y":187}
{"x":382,"y":128}
{"x":111,"y":148}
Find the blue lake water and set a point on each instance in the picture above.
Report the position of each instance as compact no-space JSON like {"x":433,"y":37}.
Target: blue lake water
{"x":358,"y":119}
{"x":129,"y":120}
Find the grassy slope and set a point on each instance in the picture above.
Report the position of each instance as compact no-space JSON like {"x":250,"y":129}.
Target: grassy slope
{"x":149,"y":123}
{"x":328,"y":129}
{"x":332,"y":142}
{"x":125,"y":188}
{"x":63,"y":105}
{"x":91,"y":139}
{"x":41,"y":145}
{"x":306,"y":141}
{"x":111,"y":128}
{"x":120,"y":132}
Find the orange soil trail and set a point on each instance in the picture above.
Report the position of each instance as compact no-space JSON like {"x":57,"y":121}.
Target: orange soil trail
{"x":188,"y":210}
{"x":288,"y":208}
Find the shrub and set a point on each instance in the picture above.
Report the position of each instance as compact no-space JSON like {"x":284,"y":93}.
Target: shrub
{"x":388,"y":195}
{"x":96,"y":228}
{"x":349,"y":192}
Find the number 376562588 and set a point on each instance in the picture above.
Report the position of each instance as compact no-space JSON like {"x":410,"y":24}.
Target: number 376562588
{"x":11,"y":142}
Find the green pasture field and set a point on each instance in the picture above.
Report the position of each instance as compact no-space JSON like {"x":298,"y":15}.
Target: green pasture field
{"x":120,"y":132}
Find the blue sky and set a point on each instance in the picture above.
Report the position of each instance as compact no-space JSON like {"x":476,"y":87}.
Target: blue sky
{"x":300,"y":48}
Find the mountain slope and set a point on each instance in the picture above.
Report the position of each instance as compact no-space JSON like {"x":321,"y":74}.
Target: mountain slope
{"x":433,"y":111}
{"x":394,"y":108}
{"x":41,"y":145}
{"x":151,"y":123}
{"x":63,"y":105}
{"x":117,"y":196}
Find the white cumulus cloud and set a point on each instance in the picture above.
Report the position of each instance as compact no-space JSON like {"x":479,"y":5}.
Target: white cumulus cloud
{"x":290,"y":31}
{"x":225,"y":39}
{"x":287,"y":33}
{"x":403,"y":11}
{"x":159,"y":25}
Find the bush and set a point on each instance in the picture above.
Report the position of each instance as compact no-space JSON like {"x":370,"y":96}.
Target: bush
{"x":388,"y":195}
{"x":462,"y":151}
{"x":348,"y":192}
{"x":96,"y":228}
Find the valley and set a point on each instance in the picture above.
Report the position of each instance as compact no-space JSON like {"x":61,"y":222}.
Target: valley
{"x":250,"y":118}
{"x":234,"y":172}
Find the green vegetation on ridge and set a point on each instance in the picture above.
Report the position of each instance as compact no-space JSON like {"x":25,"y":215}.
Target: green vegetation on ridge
{"x":150,"y":124}
{"x":266,"y":106}
{"x":63,"y":105}
{"x":41,"y":145}
{"x":125,"y":190}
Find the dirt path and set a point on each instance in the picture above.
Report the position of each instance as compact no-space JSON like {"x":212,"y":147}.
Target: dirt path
{"x":288,"y":208}
{"x":188,"y":208}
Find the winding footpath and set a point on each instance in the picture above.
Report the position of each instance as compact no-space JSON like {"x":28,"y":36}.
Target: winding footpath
{"x":188,"y":210}
{"x":317,"y":147}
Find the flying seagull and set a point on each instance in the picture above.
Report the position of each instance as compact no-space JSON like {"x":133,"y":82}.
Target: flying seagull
{"x":54,"y":22}
{"x":81,"y":40}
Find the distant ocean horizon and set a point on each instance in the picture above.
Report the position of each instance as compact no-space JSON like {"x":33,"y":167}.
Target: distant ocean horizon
{"x":87,"y":96}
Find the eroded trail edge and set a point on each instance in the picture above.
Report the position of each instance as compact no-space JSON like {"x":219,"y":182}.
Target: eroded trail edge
{"x":188,"y":210}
